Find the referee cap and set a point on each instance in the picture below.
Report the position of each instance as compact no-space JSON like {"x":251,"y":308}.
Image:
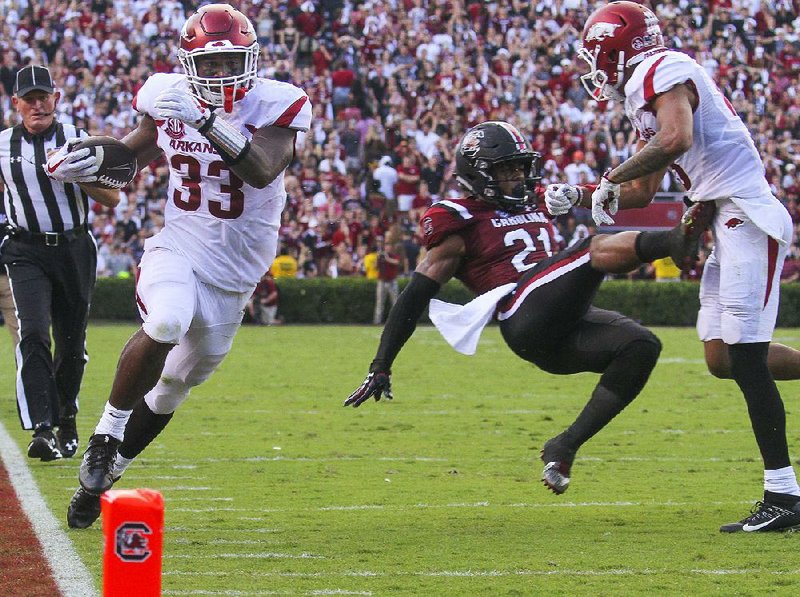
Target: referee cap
{"x":31,"y":78}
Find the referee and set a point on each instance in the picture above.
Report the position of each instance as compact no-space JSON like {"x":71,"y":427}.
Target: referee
{"x":51,"y":261}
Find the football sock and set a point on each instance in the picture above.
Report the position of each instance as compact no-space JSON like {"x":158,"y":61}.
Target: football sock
{"x":120,"y":464}
{"x":113,"y":422}
{"x":782,"y":480}
{"x":601,"y":408}
{"x":653,"y":245}
{"x":784,"y":500}
{"x":143,"y":427}
{"x":767,"y":415}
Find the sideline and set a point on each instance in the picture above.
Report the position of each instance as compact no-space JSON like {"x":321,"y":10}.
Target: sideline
{"x":70,"y":574}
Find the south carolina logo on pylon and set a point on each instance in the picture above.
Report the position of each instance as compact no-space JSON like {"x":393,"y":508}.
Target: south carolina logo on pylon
{"x":174,"y":128}
{"x":132,"y":543}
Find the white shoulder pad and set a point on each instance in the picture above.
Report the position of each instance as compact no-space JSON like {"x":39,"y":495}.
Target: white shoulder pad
{"x":275,"y":103}
{"x":658,"y":74}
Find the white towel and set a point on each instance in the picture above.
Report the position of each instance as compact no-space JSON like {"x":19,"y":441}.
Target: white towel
{"x":461,"y":325}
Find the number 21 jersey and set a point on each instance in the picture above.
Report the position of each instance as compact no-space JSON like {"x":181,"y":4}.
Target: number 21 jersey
{"x":500,"y":246}
{"x":224,"y":226}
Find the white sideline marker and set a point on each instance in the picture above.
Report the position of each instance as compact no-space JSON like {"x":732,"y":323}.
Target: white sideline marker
{"x":71,"y":576}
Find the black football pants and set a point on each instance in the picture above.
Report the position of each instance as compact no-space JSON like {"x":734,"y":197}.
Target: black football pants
{"x":51,"y":285}
{"x":557,"y":329}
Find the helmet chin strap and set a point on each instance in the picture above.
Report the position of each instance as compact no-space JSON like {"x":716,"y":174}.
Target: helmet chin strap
{"x":519,"y":191}
{"x":229,"y":97}
{"x":518,"y":195}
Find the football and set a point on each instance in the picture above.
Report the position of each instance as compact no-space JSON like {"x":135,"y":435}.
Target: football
{"x":117,"y":162}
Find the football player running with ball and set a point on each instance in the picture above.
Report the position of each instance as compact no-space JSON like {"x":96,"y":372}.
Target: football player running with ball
{"x":685,"y":123}
{"x":227,"y":136}
{"x":500,"y":244}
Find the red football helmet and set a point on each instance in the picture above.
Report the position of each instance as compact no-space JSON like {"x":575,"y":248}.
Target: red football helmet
{"x":215,"y":29}
{"x":615,"y":37}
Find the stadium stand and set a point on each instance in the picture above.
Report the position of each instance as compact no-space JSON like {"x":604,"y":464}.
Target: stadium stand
{"x":397,"y":78}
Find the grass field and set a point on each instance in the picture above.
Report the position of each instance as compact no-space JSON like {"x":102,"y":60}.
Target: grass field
{"x":272,"y":487}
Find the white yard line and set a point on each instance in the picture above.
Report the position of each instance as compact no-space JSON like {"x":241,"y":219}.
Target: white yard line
{"x":485,"y":573}
{"x":251,"y":594}
{"x":361,"y":507}
{"x":173,"y":463}
{"x":268,"y":555}
{"x":70,"y":574}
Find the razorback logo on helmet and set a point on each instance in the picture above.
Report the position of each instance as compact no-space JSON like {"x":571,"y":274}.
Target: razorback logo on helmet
{"x":471,"y":143}
{"x":601,"y":31}
{"x":174,"y":128}
{"x":427,"y":226}
{"x":216,"y":28}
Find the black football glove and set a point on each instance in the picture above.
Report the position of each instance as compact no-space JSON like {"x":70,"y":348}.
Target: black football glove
{"x":377,"y":383}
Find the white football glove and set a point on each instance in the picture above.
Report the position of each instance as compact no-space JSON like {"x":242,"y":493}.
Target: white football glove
{"x":560,"y":198}
{"x":183,"y":106}
{"x":65,"y":165}
{"x":605,"y":197}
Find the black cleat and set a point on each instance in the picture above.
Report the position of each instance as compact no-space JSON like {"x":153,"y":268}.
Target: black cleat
{"x":557,"y":459}
{"x":98,"y":464}
{"x":68,"y":437}
{"x":44,"y":446}
{"x":777,"y":512}
{"x":686,"y":235}
{"x":84,"y":509}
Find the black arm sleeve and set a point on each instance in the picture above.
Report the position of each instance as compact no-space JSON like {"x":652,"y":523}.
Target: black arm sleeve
{"x":402,"y":320}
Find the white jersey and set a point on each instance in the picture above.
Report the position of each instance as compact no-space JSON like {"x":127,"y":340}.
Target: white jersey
{"x":226,"y":228}
{"x":723,"y":162}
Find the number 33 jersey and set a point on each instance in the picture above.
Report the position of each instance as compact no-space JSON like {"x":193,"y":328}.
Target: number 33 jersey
{"x":500,"y":246}
{"x":224,"y":226}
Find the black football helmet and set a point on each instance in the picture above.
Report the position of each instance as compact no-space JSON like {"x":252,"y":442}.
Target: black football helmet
{"x":481,"y":149}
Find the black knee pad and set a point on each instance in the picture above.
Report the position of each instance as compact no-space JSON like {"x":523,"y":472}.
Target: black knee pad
{"x":629,"y":371}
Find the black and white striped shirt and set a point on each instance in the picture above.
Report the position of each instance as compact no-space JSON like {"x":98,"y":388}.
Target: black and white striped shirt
{"x":32,"y":200}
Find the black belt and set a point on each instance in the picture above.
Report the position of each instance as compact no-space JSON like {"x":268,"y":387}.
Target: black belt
{"x":51,"y":239}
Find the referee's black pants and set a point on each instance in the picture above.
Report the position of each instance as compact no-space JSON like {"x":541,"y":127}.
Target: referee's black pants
{"x":50,"y":285}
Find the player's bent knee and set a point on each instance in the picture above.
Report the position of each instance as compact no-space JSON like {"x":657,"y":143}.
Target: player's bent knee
{"x":632,"y":366}
{"x":166,"y":328}
{"x":646,"y":348}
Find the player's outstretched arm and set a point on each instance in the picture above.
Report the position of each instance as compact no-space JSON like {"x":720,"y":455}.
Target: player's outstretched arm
{"x":104,"y":196}
{"x":439,"y":265}
{"x":143,"y":141}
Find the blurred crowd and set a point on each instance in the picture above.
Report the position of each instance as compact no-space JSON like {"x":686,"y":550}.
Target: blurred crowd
{"x":394,"y":83}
